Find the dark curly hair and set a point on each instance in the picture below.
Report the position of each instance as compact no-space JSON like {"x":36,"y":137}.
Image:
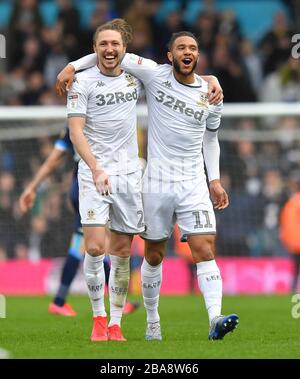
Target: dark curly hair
{"x":174,"y":37}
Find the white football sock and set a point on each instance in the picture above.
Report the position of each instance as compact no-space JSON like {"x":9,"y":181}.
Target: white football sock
{"x":151,"y":282}
{"x":95,"y":279}
{"x":118,"y":287}
{"x":210,"y":284}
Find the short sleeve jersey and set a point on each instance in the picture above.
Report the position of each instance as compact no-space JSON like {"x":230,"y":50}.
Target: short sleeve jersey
{"x":178,"y":115}
{"x":108,"y":104}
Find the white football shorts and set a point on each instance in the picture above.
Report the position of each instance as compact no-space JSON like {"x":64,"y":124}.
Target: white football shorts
{"x":123,"y":207}
{"x":186,"y":203}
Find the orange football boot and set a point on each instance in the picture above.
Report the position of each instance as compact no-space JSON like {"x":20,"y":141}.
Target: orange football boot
{"x":64,"y":310}
{"x":99,"y":332}
{"x":115,"y":333}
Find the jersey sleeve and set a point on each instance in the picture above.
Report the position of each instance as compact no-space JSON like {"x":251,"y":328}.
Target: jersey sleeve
{"x":64,"y":142}
{"x":211,"y":153}
{"x":85,"y":62}
{"x":142,"y":68}
{"x":77,"y":99}
{"x":214,"y":118}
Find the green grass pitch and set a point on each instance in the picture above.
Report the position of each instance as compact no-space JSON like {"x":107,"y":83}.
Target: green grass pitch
{"x":267,"y":330}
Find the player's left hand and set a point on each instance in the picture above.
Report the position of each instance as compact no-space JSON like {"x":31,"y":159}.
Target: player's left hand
{"x":218,"y":195}
{"x":215,"y":92}
{"x":65,"y":79}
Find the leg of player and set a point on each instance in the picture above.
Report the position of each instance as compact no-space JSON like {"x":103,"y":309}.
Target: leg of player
{"x":151,"y":275}
{"x":106,"y":261}
{"x":129,"y":307}
{"x":120,"y":245}
{"x":70,"y":268}
{"x":95,"y":278}
{"x":210,"y":284}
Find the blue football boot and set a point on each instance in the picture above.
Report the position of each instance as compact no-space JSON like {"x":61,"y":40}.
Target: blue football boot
{"x":222,"y":325}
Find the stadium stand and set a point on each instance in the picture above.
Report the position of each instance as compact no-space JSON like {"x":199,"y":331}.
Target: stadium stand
{"x":239,"y":47}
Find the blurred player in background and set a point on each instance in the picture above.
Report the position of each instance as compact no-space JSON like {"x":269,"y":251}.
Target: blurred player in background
{"x":289,"y":230}
{"x":181,"y":124}
{"x":75,"y":253}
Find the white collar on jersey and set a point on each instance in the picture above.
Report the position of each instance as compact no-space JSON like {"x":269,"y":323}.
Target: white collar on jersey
{"x":197,"y":83}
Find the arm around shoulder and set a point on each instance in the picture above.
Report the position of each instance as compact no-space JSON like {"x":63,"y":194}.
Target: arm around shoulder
{"x":215,"y":91}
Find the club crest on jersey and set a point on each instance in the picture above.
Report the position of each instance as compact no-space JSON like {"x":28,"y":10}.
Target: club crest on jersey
{"x":203,"y":100}
{"x":130,"y":80}
{"x":91,"y":214}
{"x":73,"y":98}
{"x":100,"y":84}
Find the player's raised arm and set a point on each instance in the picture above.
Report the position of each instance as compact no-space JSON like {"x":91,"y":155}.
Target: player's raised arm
{"x":138,"y":66}
{"x":87,"y":61}
{"x":215,"y":92}
{"x":142,"y":68}
{"x":27,"y":198}
{"x":66,"y":76}
{"x":64,"y":79}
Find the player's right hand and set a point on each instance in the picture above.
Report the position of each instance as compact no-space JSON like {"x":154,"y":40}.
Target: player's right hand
{"x":65,"y":79}
{"x":26,"y":200}
{"x":215,"y":91}
{"x":102,"y":182}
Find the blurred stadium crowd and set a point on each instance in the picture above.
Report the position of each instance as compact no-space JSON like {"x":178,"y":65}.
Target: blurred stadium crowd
{"x":246,"y":44}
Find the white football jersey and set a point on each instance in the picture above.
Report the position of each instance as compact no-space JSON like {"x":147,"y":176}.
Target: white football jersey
{"x":178,"y":115}
{"x":109,"y":105}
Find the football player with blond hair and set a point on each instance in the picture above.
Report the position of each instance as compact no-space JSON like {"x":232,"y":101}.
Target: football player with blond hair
{"x":182,"y":137}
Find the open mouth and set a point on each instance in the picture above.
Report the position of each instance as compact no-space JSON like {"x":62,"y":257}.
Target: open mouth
{"x":187,"y":61}
{"x":110,"y":58}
